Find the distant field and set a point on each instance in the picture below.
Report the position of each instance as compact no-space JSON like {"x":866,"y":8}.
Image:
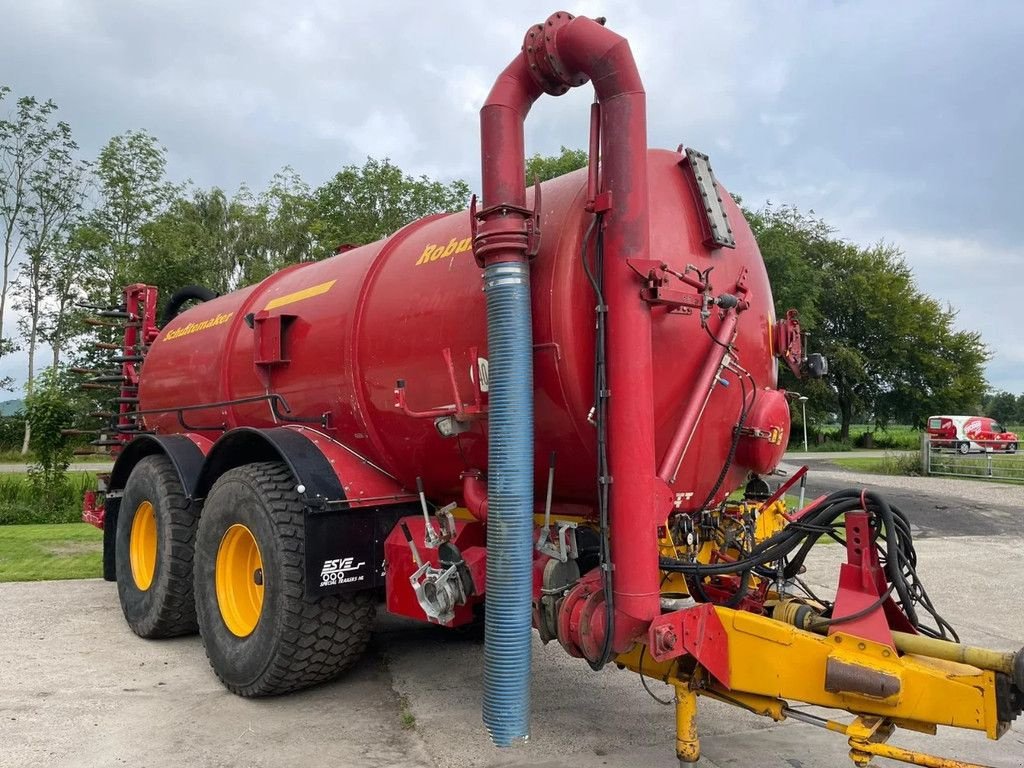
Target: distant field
{"x":902,"y":464}
{"x":50,"y":551}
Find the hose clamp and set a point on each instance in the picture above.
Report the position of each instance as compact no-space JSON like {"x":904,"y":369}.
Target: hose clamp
{"x":506,"y":273}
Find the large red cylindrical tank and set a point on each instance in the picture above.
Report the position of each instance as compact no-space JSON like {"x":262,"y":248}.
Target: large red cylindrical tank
{"x":353,"y":324}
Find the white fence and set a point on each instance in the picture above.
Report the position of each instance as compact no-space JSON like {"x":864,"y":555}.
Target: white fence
{"x":984,"y":459}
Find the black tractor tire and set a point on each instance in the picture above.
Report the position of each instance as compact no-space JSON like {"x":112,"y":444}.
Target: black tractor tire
{"x":297,"y":641}
{"x":165,"y":608}
{"x":963,"y":448}
{"x":1011,"y":448}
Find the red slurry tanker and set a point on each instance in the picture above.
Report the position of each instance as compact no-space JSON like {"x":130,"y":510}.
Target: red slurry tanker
{"x":543,"y":406}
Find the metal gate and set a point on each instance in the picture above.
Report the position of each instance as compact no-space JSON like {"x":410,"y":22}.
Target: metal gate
{"x":983,"y":459}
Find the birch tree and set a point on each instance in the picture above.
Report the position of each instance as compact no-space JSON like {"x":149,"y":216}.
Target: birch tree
{"x":25,"y":136}
{"x":53,"y":200}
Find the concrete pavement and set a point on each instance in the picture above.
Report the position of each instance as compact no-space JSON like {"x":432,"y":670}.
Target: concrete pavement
{"x":78,"y":689}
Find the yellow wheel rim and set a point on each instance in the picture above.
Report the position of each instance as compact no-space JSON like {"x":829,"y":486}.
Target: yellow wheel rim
{"x":142,"y":545}
{"x":239,"y":577}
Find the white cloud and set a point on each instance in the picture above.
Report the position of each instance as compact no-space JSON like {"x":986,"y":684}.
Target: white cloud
{"x":899,"y":122}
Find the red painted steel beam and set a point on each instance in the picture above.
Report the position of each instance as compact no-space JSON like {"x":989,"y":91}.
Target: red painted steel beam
{"x":695,"y":408}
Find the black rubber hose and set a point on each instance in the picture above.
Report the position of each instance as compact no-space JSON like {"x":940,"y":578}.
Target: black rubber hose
{"x":180,"y":297}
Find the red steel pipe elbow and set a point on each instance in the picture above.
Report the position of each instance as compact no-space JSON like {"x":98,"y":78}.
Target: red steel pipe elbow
{"x":562,"y":53}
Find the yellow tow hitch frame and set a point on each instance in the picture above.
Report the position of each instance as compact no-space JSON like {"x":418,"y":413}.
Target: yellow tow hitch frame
{"x":881,"y":686}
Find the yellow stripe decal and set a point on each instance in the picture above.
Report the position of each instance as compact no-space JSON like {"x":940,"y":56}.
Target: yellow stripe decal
{"x":305,"y":293}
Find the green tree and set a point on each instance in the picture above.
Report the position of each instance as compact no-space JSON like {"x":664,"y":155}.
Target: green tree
{"x":195,"y":240}
{"x":792,"y":244}
{"x":133,"y":190}
{"x":892,"y":350}
{"x":279,"y":228}
{"x":544,"y":167}
{"x":1003,"y":408}
{"x":26,"y":140}
{"x":223,"y":243}
{"x":362,"y":204}
{"x":53,"y":200}
{"x":65,"y":283}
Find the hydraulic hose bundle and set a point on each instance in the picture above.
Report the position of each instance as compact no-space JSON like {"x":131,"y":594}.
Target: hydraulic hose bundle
{"x":784,"y":554}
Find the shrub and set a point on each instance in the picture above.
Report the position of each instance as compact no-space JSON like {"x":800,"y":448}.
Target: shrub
{"x":20,"y":500}
{"x":902,"y":464}
{"x":49,"y":411}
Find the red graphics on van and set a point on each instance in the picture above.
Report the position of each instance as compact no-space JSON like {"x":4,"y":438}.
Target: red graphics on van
{"x":970,"y":433}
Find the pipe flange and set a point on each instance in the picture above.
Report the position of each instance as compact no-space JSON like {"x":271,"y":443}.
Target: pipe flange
{"x":546,"y":68}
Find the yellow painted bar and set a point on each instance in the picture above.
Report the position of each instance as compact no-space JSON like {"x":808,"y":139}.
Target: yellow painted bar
{"x":305,"y":293}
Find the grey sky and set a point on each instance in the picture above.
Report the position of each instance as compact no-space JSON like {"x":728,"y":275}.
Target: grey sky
{"x":895,"y":121}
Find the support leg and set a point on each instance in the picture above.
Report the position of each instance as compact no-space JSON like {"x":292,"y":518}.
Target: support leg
{"x":687,"y":741}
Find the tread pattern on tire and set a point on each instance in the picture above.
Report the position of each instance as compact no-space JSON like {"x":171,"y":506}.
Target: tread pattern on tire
{"x":177,"y":611}
{"x":321,"y":636}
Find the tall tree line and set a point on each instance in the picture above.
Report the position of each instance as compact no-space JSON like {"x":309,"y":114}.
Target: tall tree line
{"x":895,"y":354}
{"x":1005,"y":407}
{"x":76,"y":230}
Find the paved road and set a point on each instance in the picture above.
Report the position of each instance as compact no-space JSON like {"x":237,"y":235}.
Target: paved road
{"x":79,"y":690}
{"x":7,"y":469}
{"x":936,"y":506}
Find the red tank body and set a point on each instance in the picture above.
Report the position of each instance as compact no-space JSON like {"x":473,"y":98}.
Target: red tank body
{"x":333,"y":337}
{"x":602,"y":351}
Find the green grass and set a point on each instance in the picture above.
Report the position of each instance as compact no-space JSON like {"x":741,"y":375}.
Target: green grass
{"x":908,"y":464}
{"x":44,"y":552}
{"x":860,"y":464}
{"x":405,"y":715}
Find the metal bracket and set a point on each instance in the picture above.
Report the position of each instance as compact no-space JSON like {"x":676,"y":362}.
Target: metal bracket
{"x":788,"y":342}
{"x":460,"y":411}
{"x":564,"y":547}
{"x":656,"y":276}
{"x":438,"y":591}
{"x":446,"y":524}
{"x":521,"y":231}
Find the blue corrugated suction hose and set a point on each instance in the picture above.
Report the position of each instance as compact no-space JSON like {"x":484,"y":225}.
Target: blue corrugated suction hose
{"x":507,"y":623}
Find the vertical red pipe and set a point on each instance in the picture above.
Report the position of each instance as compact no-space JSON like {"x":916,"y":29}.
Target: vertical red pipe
{"x":605,"y":56}
{"x":562,"y":53}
